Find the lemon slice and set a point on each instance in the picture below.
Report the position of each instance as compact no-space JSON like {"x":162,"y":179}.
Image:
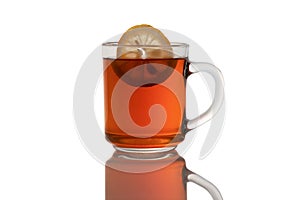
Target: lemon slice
{"x":144,"y":41}
{"x":144,"y":57}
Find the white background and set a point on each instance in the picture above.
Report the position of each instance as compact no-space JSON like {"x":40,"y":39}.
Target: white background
{"x":255,"y":43}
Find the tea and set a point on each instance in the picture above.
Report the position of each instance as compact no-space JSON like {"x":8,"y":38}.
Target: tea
{"x":144,"y":102}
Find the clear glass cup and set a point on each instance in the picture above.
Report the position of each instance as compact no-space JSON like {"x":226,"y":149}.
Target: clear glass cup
{"x":145,"y":97}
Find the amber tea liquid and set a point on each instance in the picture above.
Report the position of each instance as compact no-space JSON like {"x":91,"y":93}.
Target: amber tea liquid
{"x":131,"y":88}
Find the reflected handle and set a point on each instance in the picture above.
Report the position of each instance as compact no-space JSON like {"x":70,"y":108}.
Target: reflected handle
{"x":211,"y":188}
{"x":218,"y":95}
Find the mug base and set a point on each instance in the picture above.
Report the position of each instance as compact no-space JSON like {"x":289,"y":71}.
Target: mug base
{"x":144,"y":150}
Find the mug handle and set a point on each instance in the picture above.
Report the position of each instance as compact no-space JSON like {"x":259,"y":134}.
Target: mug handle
{"x":211,"y":188}
{"x":218,"y":95}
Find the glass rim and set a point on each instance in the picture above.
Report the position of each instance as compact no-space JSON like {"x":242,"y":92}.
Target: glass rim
{"x":172,"y":44}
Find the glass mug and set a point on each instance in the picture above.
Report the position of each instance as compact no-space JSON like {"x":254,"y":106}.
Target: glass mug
{"x":144,"y":98}
{"x":153,"y":176}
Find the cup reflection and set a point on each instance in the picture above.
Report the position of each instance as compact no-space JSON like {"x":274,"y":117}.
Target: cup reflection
{"x":150,"y":176}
